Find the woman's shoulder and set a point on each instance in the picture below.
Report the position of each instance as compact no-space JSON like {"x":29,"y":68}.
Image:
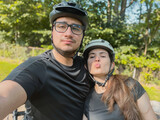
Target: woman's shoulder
{"x":130,"y":82}
{"x":135,"y":87}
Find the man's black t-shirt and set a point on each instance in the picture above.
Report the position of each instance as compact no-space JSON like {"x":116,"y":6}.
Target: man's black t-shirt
{"x":95,"y":109}
{"x":55,"y":91}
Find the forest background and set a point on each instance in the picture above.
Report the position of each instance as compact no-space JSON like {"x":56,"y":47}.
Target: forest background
{"x":131,"y":26}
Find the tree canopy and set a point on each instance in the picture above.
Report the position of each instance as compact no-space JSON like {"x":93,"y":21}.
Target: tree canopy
{"x":121,"y":22}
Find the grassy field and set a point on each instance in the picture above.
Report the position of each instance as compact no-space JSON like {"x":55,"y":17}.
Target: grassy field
{"x":153,"y":92}
{"x":6,"y":66}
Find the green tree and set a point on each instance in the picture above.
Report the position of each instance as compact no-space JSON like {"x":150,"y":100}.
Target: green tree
{"x":21,"y":21}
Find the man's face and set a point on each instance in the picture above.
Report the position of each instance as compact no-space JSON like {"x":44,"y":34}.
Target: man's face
{"x":67,"y":41}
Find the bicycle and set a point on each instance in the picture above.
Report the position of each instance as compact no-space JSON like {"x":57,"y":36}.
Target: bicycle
{"x":17,"y":113}
{"x":25,"y":114}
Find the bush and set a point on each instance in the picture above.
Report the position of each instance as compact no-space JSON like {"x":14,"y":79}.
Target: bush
{"x":18,"y":52}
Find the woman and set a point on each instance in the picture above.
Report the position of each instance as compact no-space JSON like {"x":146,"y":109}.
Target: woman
{"x":114,"y":97}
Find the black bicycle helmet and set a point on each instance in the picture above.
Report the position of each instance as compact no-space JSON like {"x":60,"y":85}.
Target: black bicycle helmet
{"x":69,"y":9}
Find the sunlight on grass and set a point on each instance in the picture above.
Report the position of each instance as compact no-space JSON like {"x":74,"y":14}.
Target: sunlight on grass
{"x":153,"y":92}
{"x":6,"y":68}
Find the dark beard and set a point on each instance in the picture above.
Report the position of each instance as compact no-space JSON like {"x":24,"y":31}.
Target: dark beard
{"x":68,"y":54}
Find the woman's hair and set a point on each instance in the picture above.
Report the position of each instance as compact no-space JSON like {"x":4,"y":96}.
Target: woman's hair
{"x":118,"y":92}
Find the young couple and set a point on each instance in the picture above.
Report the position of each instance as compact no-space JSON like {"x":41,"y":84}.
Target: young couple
{"x":56,"y":83}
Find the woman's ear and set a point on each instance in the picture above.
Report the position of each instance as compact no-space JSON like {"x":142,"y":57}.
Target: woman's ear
{"x":85,"y":66}
{"x":113,"y":65}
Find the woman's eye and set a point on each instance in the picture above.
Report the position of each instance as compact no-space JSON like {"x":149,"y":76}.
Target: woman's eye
{"x":103,"y":56}
{"x":91,"y":57}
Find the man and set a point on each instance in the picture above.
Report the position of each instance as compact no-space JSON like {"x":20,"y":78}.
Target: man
{"x":55,"y":82}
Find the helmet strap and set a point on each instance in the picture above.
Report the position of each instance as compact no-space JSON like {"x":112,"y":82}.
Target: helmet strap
{"x":106,"y":79}
{"x":79,"y":47}
{"x":108,"y":76}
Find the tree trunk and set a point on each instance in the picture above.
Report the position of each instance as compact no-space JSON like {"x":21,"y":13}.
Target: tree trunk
{"x":138,"y":73}
{"x":147,"y":36}
{"x":146,"y":42}
{"x":123,"y":9}
{"x":140,"y":10}
{"x":134,"y":73}
{"x":109,"y":13}
{"x":116,"y":6}
{"x":116,"y":12}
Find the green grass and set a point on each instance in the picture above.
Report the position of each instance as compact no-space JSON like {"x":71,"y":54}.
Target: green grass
{"x":153,"y":92}
{"x":6,"y":66}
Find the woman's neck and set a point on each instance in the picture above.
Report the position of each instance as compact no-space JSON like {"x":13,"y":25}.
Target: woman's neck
{"x":99,"y":89}
{"x":99,"y":78}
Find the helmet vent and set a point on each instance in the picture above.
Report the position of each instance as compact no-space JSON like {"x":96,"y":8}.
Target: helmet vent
{"x":60,"y":4}
{"x":72,"y":4}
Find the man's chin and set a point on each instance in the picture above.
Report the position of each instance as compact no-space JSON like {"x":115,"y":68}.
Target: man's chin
{"x":67,"y":53}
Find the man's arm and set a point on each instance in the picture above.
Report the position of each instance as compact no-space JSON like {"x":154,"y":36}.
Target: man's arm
{"x":146,"y":108}
{"x":12,"y":95}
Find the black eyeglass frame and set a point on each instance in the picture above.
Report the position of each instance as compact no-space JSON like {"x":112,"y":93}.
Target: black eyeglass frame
{"x":71,"y":26}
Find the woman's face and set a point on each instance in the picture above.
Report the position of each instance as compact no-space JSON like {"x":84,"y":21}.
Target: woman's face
{"x":98,"y":62}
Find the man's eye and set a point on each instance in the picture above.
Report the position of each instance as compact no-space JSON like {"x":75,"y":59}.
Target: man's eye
{"x":61,"y":26}
{"x":76,"y":28}
{"x":103,"y":56}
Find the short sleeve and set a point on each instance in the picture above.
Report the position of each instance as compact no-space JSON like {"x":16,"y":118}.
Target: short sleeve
{"x":29,"y":75}
{"x":136,"y":88}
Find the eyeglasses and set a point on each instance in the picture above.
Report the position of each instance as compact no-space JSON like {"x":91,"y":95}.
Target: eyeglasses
{"x":62,"y":27}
